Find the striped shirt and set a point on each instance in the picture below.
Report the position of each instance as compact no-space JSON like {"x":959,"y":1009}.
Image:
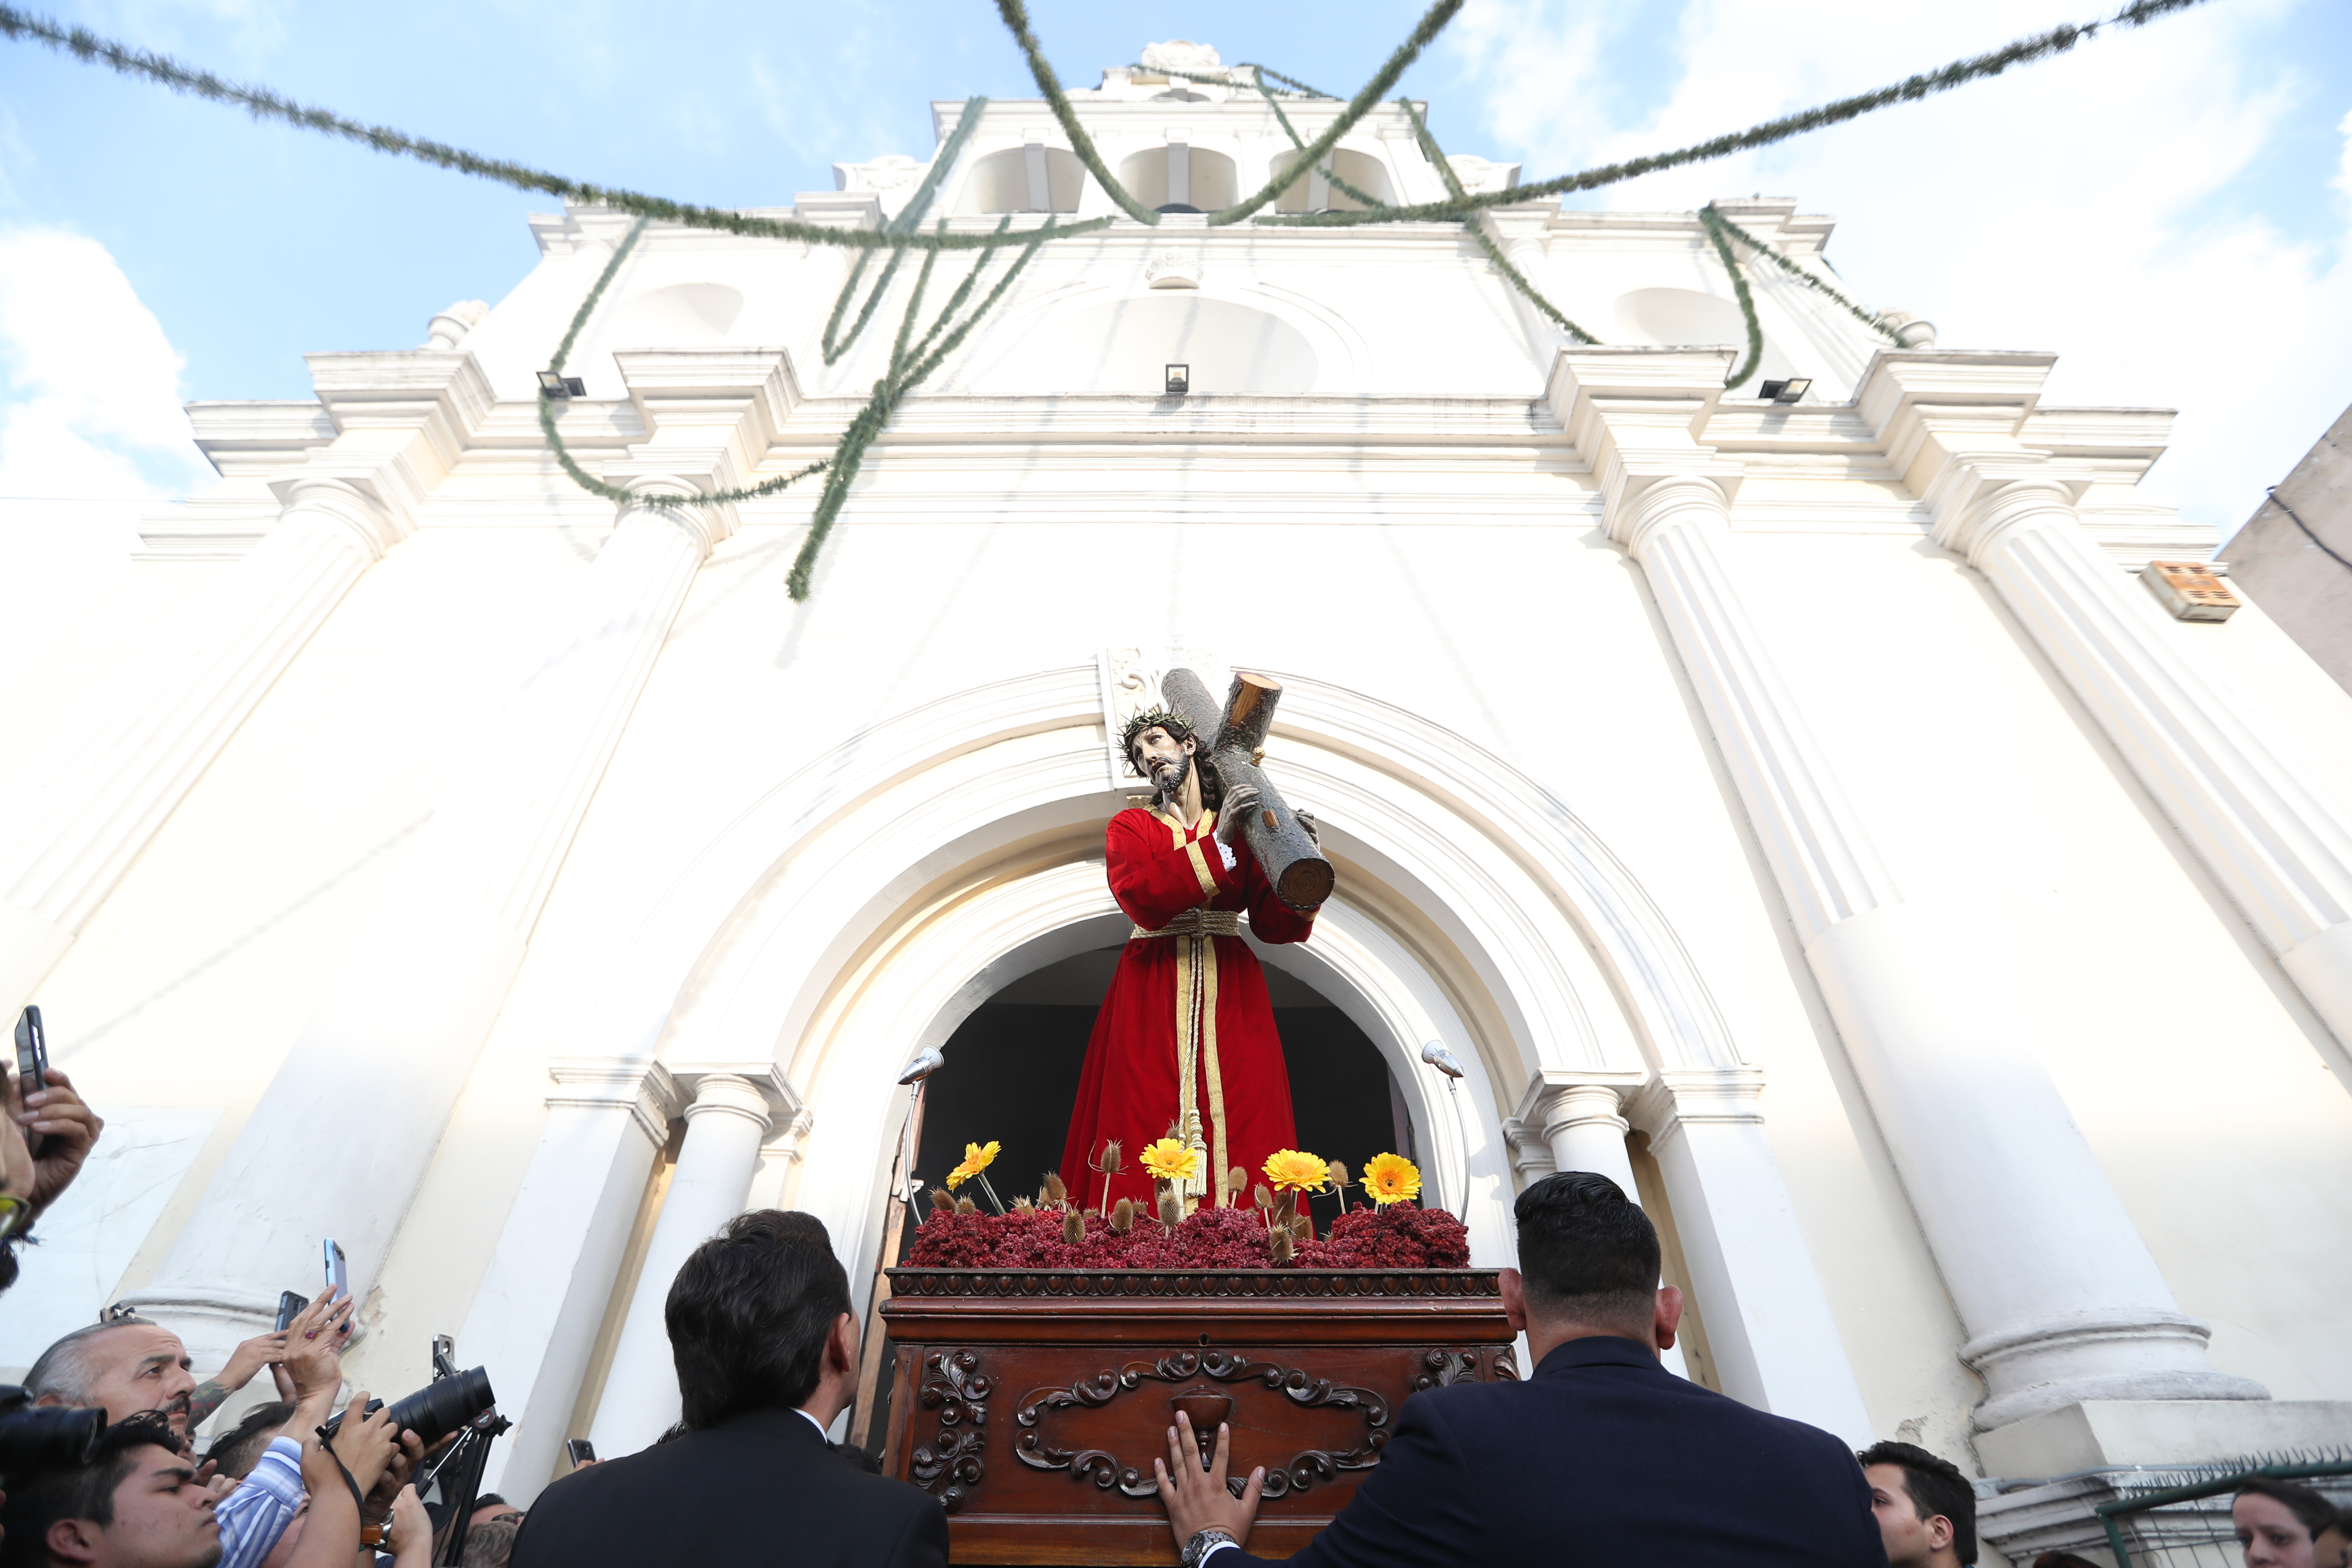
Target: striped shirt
{"x":254,"y":1516}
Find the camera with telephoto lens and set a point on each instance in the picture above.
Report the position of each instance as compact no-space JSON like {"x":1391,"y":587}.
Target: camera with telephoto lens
{"x":445,"y":1405}
{"x":43,"y":1437}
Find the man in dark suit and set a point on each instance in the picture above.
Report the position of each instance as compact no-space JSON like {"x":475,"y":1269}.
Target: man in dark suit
{"x":1602,"y":1458}
{"x":767,"y":1356}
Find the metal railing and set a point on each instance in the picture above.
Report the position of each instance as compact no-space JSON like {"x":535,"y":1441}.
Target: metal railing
{"x":2188,"y":1524}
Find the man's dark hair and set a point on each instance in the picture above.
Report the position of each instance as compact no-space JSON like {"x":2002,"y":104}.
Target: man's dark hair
{"x":1586,"y":1253}
{"x":39,"y":1498}
{"x":1935,"y":1487}
{"x":236,"y":1451}
{"x":2314,"y":1511}
{"x":491,"y":1543}
{"x":749,"y":1313}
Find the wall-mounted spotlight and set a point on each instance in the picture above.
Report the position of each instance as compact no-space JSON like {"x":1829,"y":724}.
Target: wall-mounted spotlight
{"x":1179,"y":380}
{"x":560,"y":387}
{"x":1792,"y":390}
{"x":924,"y":1063}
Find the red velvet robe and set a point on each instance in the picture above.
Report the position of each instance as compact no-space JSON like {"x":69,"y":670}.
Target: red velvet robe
{"x":1129,"y":1088}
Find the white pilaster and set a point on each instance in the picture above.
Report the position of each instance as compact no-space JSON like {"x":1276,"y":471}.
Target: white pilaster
{"x":2058,"y":1292}
{"x":726,"y":1123}
{"x":68,"y":836}
{"x":396,"y":1035}
{"x":533,"y":1322}
{"x":2276,"y":838}
{"x":1768,"y":1320}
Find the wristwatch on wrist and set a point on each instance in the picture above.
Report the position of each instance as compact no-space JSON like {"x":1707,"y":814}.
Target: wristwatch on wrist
{"x":1204,"y":1542}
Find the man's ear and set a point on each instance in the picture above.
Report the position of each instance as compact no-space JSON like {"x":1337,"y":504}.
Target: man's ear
{"x":1669,"y":1315}
{"x":1939,"y":1533}
{"x":1515,"y":1299}
{"x":841,"y":1345}
{"x":75,"y":1541}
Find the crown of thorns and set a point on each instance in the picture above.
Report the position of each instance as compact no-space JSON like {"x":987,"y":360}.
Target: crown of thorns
{"x":1174,"y":723}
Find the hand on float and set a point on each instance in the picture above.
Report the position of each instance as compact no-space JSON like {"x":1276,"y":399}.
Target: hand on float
{"x":1199,"y":1499}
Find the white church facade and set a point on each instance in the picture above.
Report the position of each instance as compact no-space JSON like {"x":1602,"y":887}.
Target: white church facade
{"x":1802,"y":811}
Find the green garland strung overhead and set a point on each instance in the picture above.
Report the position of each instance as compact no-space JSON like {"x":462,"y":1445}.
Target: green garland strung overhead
{"x":1805,"y":276}
{"x":912,"y":362}
{"x":1715,"y":231}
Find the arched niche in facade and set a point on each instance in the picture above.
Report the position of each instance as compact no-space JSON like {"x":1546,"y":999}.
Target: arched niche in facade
{"x":1210,"y":180}
{"x":1688,"y":318}
{"x":999,"y":183}
{"x":1359,"y":169}
{"x":1124,"y":345}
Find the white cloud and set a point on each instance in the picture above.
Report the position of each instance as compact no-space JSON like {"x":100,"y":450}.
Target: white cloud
{"x":90,"y":402}
{"x":2089,"y":204}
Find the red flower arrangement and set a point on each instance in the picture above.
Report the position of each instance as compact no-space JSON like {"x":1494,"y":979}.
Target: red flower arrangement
{"x":1395,"y":1236}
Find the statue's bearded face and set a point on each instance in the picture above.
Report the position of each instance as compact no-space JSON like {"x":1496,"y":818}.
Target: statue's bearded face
{"x":1164,"y":758}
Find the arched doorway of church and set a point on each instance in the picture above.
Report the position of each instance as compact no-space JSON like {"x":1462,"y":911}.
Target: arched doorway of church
{"x":1011,"y":1076}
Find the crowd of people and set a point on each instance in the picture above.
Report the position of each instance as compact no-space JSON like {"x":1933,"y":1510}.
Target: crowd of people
{"x":1641,"y":1465}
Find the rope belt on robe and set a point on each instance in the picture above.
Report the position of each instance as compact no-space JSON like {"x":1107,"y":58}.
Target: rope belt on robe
{"x":1196,"y":1037}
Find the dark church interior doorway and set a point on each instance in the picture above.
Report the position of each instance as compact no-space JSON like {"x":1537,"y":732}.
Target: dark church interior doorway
{"x":1012,"y":1075}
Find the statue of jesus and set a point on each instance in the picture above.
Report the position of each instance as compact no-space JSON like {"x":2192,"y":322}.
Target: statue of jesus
{"x":1185,"y":1038}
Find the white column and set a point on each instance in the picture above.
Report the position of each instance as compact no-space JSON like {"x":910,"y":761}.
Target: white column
{"x":724,"y":1128}
{"x":533,"y":1323}
{"x":343,"y":1136}
{"x":1577,"y":1116}
{"x":67,"y":840}
{"x":2272,"y":836}
{"x":2059,"y":1294}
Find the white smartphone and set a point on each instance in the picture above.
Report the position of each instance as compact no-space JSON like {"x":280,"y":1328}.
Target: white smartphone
{"x":339,"y":1277}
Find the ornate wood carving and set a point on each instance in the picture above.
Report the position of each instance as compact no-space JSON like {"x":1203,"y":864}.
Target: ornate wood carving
{"x":1303,"y":1470}
{"x":954,"y":1385}
{"x":1442,"y":1368}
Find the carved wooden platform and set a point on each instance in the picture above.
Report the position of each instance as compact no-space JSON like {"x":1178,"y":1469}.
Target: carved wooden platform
{"x":1033,"y":1404}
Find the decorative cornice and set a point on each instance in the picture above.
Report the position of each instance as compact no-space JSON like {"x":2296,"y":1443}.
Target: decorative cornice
{"x":781,"y":1103}
{"x":645,"y":1089}
{"x":1703,"y":1096}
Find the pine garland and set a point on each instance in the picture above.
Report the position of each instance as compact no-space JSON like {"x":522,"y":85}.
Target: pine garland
{"x":2022,"y":52}
{"x":265,"y":104}
{"x":1016,"y":20}
{"x":912,"y":363}
{"x":918,"y":203}
{"x":1713,"y":221}
{"x":1806,"y":276}
{"x":582,"y":477}
{"x":1477,"y":227}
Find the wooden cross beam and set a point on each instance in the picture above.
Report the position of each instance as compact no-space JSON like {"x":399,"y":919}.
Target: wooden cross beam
{"x":1229,"y":742}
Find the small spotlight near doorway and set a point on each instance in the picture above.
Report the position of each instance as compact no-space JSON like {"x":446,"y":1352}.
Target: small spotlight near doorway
{"x":1792,"y":390}
{"x":560,"y":387}
{"x":1179,"y":380}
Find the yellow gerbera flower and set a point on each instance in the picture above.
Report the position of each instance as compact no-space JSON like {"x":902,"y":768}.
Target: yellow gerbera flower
{"x":976,"y":1159}
{"x":1391,"y":1179}
{"x":1170,"y":1161}
{"x":1296,"y":1170}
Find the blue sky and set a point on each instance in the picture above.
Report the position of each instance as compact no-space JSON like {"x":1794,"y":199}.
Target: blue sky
{"x":2168,"y":209}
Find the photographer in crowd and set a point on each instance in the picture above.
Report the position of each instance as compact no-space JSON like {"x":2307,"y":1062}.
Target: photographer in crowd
{"x":52,"y":1116}
{"x":137,"y":1500}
